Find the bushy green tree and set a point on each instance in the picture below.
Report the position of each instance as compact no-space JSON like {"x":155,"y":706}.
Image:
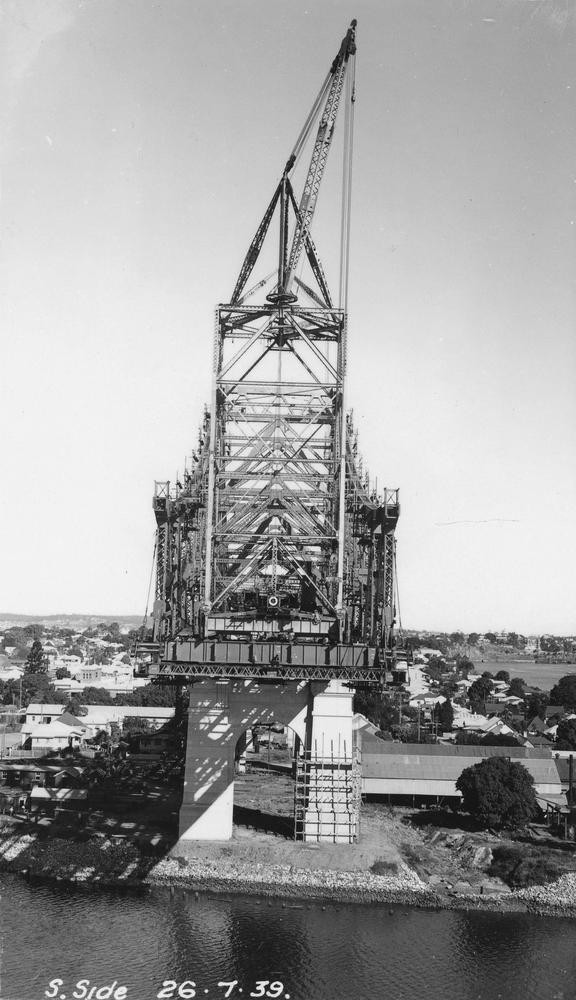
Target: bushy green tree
{"x":457,"y":638}
{"x":536,"y":704}
{"x":150,"y":696}
{"x":444,"y":713}
{"x":464,"y":739}
{"x":36,"y":662}
{"x":503,"y":675}
{"x":75,"y":706}
{"x":97,"y":696}
{"x":135,"y":725}
{"x":464,"y":666}
{"x":517,"y":687}
{"x":499,"y":740}
{"x":435,"y":667}
{"x":479,"y":692}
{"x":564,"y":692}
{"x":499,"y":793}
{"x":566,"y":735}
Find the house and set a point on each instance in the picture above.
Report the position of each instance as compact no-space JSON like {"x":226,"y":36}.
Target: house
{"x":410,"y":772}
{"x":158,"y":742}
{"x":43,"y":714}
{"x":52,"y":800}
{"x":101,"y":716}
{"x":62,"y":732}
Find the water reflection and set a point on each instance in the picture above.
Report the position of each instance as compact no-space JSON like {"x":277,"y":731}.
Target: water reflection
{"x":319,"y":953}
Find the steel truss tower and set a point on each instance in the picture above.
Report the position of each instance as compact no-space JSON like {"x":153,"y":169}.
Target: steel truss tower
{"x":274,"y":557}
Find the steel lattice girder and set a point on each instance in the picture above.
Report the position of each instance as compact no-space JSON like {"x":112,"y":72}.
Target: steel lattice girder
{"x":275,"y":452}
{"x":351,"y":675}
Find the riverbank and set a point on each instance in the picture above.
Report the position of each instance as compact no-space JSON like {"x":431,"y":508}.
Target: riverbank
{"x":99,"y":861}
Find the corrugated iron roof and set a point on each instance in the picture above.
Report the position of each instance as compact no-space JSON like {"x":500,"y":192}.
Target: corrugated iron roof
{"x":415,"y":761}
{"x":374,"y":745}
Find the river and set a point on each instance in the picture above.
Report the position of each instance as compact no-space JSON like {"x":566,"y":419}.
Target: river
{"x":542,"y":675}
{"x":56,"y":937}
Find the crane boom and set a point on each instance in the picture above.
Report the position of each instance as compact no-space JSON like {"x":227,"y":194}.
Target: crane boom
{"x":320,"y":154}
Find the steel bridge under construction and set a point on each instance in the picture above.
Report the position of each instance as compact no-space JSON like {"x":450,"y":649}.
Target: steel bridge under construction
{"x":275,"y":559}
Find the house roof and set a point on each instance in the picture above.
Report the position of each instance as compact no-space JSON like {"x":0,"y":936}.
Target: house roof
{"x":68,"y":719}
{"x":36,"y":708}
{"x":536,"y":725}
{"x":539,"y":741}
{"x":55,"y":730}
{"x":59,"y":793}
{"x":126,"y":711}
{"x":551,"y":710}
{"x":439,"y":761}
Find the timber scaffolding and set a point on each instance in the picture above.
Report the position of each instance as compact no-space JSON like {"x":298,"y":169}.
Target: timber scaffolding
{"x":327,"y":796}
{"x":275,"y":556}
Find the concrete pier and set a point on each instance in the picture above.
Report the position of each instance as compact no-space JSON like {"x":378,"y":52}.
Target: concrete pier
{"x":220,"y":713}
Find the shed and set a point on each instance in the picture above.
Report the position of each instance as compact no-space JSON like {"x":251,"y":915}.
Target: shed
{"x":413,"y":770}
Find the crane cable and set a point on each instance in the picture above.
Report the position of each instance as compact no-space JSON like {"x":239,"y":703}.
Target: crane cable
{"x":400,"y":630}
{"x":145,"y":619}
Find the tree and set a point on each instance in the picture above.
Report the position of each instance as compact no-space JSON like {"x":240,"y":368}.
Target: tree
{"x":150,"y":696}
{"x":61,"y":673}
{"x":34,"y":687}
{"x":566,"y":735}
{"x":457,"y":638}
{"x":478,"y":691}
{"x":445,"y":715}
{"x":97,"y":696}
{"x":564,"y":692}
{"x":464,"y":739}
{"x":517,"y":687}
{"x":473,"y":639}
{"x":503,"y":675}
{"x":449,"y":688}
{"x":536,"y":704}
{"x":499,"y":793}
{"x":115,"y":732}
{"x":464,"y":666}
{"x":435,"y":668}
{"x":36,"y":661}
{"x":500,"y":740}
{"x":75,"y":707}
{"x":490,"y":637}
{"x":135,"y":725}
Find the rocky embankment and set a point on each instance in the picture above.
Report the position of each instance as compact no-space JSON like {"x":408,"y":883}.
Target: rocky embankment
{"x":558,"y":897}
{"x":100,"y":861}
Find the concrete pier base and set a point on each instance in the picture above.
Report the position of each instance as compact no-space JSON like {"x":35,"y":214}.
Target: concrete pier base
{"x":219,"y":714}
{"x":320,"y":714}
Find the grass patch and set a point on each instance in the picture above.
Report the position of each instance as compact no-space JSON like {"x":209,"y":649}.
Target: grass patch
{"x":384,"y":868}
{"x":525,"y":865}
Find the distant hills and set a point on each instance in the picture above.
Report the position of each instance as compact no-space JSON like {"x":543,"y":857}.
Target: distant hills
{"x":77,"y":622}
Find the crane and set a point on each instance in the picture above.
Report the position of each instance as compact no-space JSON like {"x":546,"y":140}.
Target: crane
{"x":274,"y":555}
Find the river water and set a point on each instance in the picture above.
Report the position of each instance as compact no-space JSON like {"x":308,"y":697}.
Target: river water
{"x":154,"y":944}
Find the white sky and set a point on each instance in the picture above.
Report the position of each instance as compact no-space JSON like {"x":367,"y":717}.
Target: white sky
{"x":142,"y":141}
